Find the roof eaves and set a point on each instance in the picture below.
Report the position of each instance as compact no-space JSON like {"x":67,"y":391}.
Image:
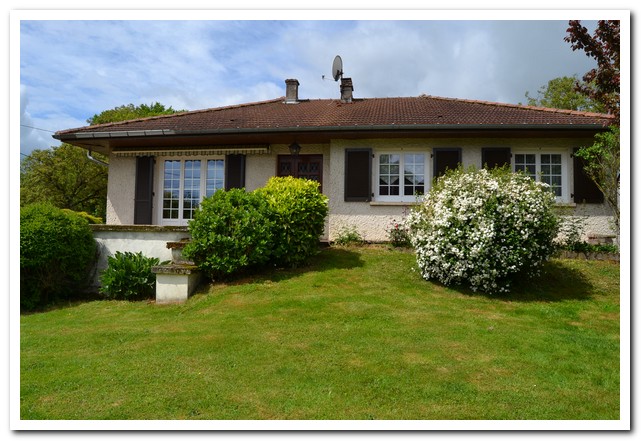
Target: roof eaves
{"x":320,"y":129}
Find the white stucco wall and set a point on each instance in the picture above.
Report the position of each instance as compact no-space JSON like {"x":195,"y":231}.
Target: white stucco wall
{"x":152,"y":242}
{"x":370,"y":219}
{"x":259,"y":168}
{"x":373,"y":219}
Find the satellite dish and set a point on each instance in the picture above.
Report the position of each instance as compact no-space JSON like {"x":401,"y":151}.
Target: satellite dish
{"x":337,"y":68}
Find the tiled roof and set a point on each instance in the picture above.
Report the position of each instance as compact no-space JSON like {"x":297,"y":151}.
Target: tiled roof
{"x":370,"y":113}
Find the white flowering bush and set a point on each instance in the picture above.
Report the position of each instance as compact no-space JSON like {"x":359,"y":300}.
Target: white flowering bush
{"x":482,"y":228}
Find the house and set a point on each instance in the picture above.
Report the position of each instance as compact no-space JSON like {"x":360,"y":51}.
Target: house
{"x":371,"y":156}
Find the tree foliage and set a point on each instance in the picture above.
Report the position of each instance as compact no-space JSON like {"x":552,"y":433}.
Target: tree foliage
{"x":129,"y":111}
{"x":64,"y":177}
{"x":603,"y":161}
{"x":560,"y":93}
{"x":602,"y":83}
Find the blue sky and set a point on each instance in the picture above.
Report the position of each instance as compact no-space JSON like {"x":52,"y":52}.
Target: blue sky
{"x":73,"y":69}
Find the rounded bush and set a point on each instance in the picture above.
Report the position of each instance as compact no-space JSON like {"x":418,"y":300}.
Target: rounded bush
{"x":298,"y":210}
{"x":128,"y":276}
{"x":231,"y":231}
{"x":483,"y":228}
{"x":57,"y":252}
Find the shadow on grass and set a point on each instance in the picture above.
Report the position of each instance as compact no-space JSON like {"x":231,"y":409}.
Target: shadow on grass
{"x":328,"y":258}
{"x":78,"y":299}
{"x":557,"y":282}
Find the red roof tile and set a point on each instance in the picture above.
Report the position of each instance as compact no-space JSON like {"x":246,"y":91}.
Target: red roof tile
{"x":375,"y":113}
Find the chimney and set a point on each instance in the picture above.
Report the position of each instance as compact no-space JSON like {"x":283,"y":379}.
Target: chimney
{"x":346,"y":90}
{"x":291,"y":96}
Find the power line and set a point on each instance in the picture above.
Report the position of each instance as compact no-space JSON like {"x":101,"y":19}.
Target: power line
{"x":36,"y":128}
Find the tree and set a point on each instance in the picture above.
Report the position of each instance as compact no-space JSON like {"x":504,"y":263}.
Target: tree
{"x":64,"y":177}
{"x":128,"y":112}
{"x":602,"y":83}
{"x":602,"y":166}
{"x":560,"y":93}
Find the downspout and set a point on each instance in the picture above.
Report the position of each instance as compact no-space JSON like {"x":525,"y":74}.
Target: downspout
{"x":97,"y":161}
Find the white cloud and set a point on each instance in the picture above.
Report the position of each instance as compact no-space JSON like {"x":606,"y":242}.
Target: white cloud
{"x":75,"y":69}
{"x":32,"y":134}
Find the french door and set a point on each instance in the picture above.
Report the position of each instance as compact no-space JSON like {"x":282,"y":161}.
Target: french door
{"x":301,"y":166}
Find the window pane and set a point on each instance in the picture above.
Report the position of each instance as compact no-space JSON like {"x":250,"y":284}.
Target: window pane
{"x":551,"y":172}
{"x":215,"y":176}
{"x":171,"y":189}
{"x":525,"y":163}
{"x":388,"y":174}
{"x":414,"y":174}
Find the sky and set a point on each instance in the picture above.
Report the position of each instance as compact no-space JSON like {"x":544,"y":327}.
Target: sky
{"x":71,"y":70}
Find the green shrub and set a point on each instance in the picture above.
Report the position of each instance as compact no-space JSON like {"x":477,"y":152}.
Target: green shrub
{"x":231,"y":231}
{"x":398,"y":234}
{"x":128,"y":276}
{"x":57,"y":252}
{"x":298,"y":210}
{"x":483,"y":228}
{"x":584,"y":247}
{"x":348,"y":235}
{"x":89,"y":217}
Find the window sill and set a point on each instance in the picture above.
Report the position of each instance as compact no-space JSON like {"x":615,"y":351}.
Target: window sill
{"x":393,"y":204}
{"x":411,"y":204}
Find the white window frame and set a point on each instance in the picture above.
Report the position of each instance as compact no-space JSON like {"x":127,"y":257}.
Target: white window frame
{"x":401,"y":197}
{"x":565,"y":159}
{"x":159,"y":199}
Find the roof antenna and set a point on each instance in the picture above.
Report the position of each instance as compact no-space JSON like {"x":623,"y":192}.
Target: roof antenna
{"x":337,"y":68}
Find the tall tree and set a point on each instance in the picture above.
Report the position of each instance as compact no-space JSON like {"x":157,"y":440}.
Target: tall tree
{"x":601,"y":84}
{"x":560,"y":93}
{"x":65,"y":177}
{"x":129,"y":111}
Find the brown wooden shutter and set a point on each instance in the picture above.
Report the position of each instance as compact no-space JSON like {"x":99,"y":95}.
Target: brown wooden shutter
{"x":234,"y":171}
{"x":358,"y":175}
{"x":144,"y":190}
{"x":585,"y":190}
{"x":446,"y":159}
{"x":495,"y":157}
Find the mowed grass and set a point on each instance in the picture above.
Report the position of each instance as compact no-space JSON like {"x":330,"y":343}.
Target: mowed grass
{"x":356,"y":335}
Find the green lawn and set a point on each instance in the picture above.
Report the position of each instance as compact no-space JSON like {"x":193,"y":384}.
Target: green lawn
{"x":357,"y":335}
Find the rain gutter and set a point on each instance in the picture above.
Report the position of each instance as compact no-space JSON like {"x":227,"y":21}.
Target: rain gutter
{"x":299,"y":129}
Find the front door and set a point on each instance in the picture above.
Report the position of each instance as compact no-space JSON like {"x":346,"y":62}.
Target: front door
{"x":301,"y":166}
